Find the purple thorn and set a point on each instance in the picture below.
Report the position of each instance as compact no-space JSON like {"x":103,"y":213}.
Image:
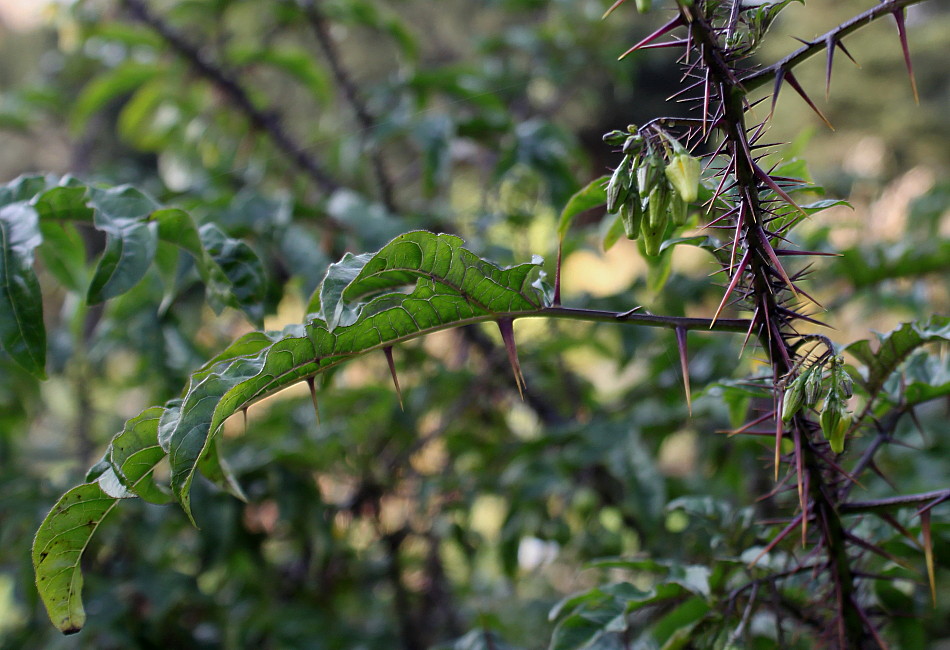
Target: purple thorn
{"x":506,"y":327}
{"x":388,"y":351}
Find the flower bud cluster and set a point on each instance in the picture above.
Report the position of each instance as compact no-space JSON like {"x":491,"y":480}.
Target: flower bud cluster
{"x":652,"y":187}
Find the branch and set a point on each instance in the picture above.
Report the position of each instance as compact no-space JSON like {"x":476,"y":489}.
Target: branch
{"x":894,"y":503}
{"x":829,"y":39}
{"x":739,"y":325}
{"x":265,"y":121}
{"x":351,"y":93}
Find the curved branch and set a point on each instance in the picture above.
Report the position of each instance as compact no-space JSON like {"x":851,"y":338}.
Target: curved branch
{"x":266,"y":121}
{"x":364,"y":118}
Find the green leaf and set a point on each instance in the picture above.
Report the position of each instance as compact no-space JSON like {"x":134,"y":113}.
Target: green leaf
{"x":133,"y":454}
{"x":675,"y":629}
{"x":246,"y":286}
{"x":22,"y":332}
{"x":296,"y":62}
{"x":614,"y":233}
{"x":65,"y":532}
{"x":108,"y":86}
{"x":449,"y":286}
{"x":590,"y":196}
{"x":66,"y":202}
{"x":894,"y":347}
{"x":141,"y":121}
{"x":63,"y":252}
{"x":869,"y":265}
{"x":22,"y":188}
{"x":58,"y":547}
{"x":120,"y":212}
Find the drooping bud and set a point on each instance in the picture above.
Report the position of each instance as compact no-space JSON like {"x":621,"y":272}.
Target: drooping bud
{"x":679,"y":209}
{"x":813,"y":385}
{"x":649,"y":173}
{"x":683,"y":174}
{"x":653,"y":224}
{"x":794,"y":398}
{"x":618,"y":186}
{"x":658,"y":209}
{"x":633,"y":144}
{"x":615,"y":138}
{"x":631,"y":214}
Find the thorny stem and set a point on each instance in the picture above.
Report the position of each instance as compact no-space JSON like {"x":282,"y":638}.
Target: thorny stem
{"x":761,"y":288}
{"x":829,"y":39}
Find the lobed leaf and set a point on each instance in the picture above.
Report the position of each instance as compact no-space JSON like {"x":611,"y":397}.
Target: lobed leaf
{"x":366,"y":306}
{"x":894,"y":347}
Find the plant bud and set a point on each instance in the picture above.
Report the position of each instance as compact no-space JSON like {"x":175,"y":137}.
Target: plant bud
{"x":837,"y":436}
{"x":649,"y":173}
{"x":813,"y":385}
{"x":615,"y":138}
{"x":644,"y":6}
{"x":633,"y":144}
{"x":845,"y":384}
{"x":617,"y":187}
{"x":679,"y":209}
{"x":683,"y":174}
{"x":830,"y":418}
{"x":631,"y":213}
{"x":653,"y":225}
{"x":658,"y":208}
{"x":794,"y":398}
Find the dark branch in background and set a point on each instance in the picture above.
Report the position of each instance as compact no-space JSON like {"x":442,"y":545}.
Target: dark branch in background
{"x":266,"y":121}
{"x":828,"y":40}
{"x":894,"y":503}
{"x":351,"y":93}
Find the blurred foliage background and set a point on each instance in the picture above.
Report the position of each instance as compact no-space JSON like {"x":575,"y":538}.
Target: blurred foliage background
{"x":469,"y":513}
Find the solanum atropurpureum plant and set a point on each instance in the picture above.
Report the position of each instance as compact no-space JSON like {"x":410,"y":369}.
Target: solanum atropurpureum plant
{"x":834,"y":407}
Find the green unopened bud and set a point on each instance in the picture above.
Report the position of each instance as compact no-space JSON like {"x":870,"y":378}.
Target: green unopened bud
{"x":644,"y":6}
{"x":683,"y":174}
{"x":631,"y":213}
{"x":615,"y":138}
{"x":618,"y":186}
{"x":679,"y":209}
{"x":830,"y":416}
{"x":844,"y":382}
{"x":649,"y":173}
{"x":836,"y":439}
{"x":653,"y":225}
{"x":658,"y":208}
{"x":794,"y":398}
{"x":813,"y":385}
{"x":633,"y":144}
